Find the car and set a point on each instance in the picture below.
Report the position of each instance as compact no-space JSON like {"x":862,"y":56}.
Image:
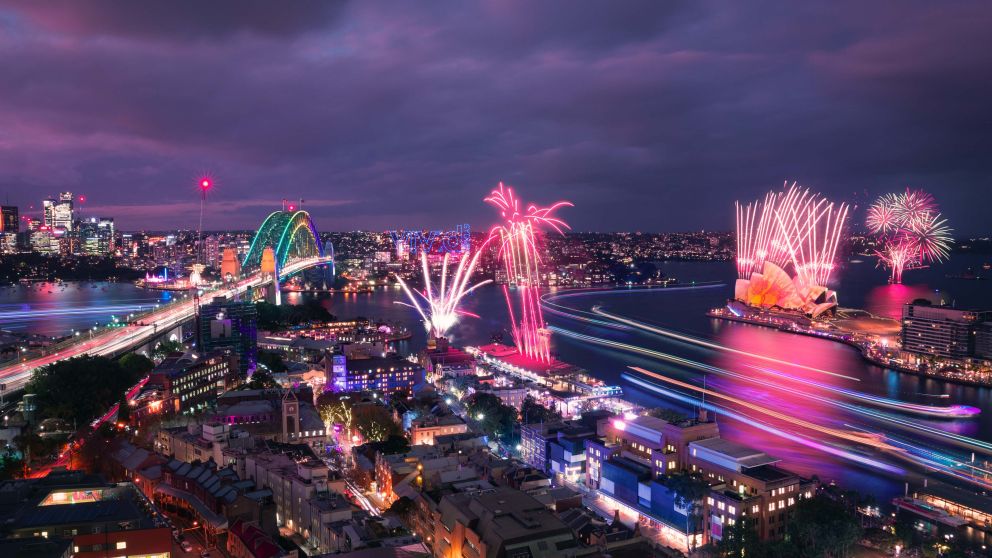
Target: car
{"x":186,"y":546}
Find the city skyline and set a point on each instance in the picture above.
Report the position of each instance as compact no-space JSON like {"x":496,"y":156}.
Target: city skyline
{"x":384,"y":118}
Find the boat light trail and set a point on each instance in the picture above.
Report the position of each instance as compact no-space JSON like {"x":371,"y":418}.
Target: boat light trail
{"x":710,"y":345}
{"x":873,"y":440}
{"x":826,"y":448}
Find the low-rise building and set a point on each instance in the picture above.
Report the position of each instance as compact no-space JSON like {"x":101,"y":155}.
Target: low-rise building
{"x":498,"y":523}
{"x":101,"y":519}
{"x":424,"y":430}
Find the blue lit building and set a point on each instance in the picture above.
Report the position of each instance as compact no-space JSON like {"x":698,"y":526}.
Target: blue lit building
{"x":387,"y":374}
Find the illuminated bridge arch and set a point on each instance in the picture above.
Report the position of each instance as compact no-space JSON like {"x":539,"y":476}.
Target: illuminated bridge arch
{"x":291,"y":234}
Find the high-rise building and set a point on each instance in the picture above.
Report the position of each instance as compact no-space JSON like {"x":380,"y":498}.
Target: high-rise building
{"x":59,"y":212}
{"x":940,"y":331}
{"x":9,"y":227}
{"x":44,"y":240}
{"x":10,"y":222}
{"x":96,"y":236}
{"x":211,"y":250}
{"x":226,"y":324}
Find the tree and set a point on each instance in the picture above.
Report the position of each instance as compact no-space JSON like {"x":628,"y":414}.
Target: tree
{"x":272,"y":361}
{"x":79,"y":389}
{"x":123,"y":410}
{"x":261,"y":380}
{"x":824,"y":527}
{"x":374,"y":422}
{"x":533,"y":412}
{"x":135,"y":364}
{"x":689,"y":489}
{"x":166,"y":348}
{"x":491,"y":415}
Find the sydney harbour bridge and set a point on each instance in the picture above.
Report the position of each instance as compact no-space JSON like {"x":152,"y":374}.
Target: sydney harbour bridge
{"x":286,"y":244}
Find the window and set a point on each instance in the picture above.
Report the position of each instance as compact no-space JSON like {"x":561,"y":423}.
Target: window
{"x":732,"y":510}
{"x":709,"y":500}
{"x":771,"y":506}
{"x":121,"y":545}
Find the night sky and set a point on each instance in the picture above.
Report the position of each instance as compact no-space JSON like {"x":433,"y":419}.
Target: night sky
{"x":649,"y":116}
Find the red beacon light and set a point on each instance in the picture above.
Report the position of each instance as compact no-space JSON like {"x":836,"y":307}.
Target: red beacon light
{"x":205,"y":184}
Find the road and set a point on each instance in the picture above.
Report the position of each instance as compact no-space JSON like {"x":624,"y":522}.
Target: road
{"x":117,"y":340}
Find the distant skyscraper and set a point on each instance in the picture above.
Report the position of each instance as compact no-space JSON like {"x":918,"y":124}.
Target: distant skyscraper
{"x":10,"y":222}
{"x":211,"y":250}
{"x":59,"y":212}
{"x":9,"y":227}
{"x":231,"y":325}
{"x":96,"y":236}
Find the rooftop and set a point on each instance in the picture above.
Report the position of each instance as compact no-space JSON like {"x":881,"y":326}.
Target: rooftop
{"x":722,"y":449}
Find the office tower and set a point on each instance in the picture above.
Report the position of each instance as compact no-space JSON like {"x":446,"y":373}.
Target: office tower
{"x":58,"y":213}
{"x":231,"y":325}
{"x":96,"y":236}
{"x":10,"y":222}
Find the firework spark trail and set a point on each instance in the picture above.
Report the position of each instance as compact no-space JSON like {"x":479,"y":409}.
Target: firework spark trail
{"x":794,"y":228}
{"x":518,"y":251}
{"x":910,"y":231}
{"x":442,"y":308}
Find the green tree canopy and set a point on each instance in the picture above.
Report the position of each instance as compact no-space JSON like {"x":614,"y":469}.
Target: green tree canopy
{"x":79,"y":389}
{"x":490,"y":415}
{"x":136,"y":364}
{"x":533,"y":412}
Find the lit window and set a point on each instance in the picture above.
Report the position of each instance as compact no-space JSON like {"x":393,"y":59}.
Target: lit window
{"x":121,"y":545}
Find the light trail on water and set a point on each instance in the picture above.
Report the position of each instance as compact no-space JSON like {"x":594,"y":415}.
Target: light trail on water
{"x":710,"y":345}
{"x":826,"y":448}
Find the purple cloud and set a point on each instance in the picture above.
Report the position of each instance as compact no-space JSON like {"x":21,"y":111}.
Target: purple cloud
{"x":399,"y":114}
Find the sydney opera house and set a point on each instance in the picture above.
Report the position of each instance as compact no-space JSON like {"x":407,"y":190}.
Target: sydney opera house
{"x":786,"y":247}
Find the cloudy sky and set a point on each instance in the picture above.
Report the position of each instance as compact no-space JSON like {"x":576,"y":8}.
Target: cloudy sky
{"x":649,"y":116}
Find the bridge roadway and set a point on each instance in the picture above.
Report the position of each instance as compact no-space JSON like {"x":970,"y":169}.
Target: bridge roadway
{"x":119,"y":340}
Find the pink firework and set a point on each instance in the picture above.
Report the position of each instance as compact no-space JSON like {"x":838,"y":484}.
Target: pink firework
{"x":910,"y":231}
{"x":518,"y":250}
{"x":796,"y":228}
